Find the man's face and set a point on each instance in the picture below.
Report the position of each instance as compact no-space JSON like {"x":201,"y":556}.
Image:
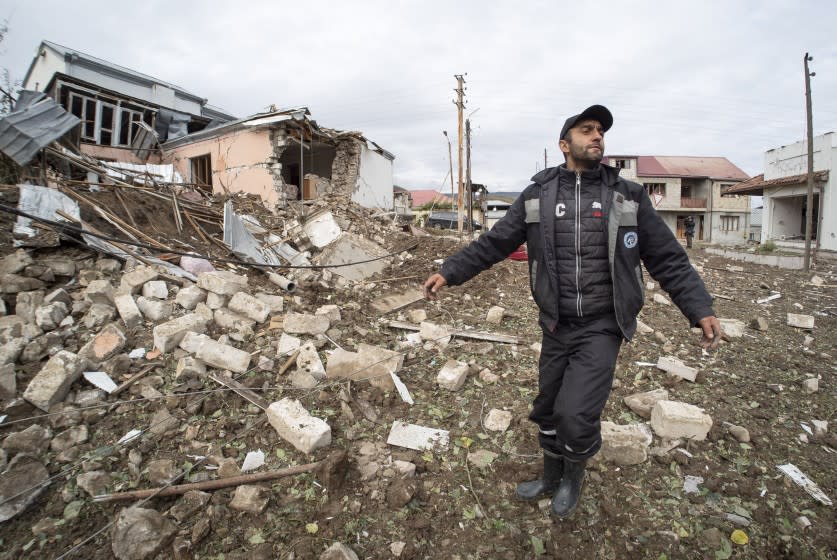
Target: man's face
{"x":584,"y":143}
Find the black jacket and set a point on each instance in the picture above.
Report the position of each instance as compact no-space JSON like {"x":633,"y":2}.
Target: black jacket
{"x":635,"y":232}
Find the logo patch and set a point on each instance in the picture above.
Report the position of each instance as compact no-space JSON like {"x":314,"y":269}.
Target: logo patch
{"x":597,"y":209}
{"x":631,"y":239}
{"x":560,"y":210}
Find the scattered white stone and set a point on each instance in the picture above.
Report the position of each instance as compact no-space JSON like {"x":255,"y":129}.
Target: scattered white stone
{"x":250,"y":498}
{"x":189,"y":366}
{"x":436,"y":334}
{"x":661,"y":299}
{"x":309,"y":361}
{"x":215,"y":301}
{"x":155,"y":289}
{"x":643,"y":403}
{"x":733,"y":328}
{"x":287,"y":345}
{"x":817,"y":281}
{"x":625,"y":444}
{"x":452,"y":375}
{"x":48,"y":317}
{"x":801,"y":321}
{"x":820,"y":427}
{"x":101,"y":380}
{"x":140,"y":534}
{"x":330,"y":311}
{"x":128,"y":310}
{"x":495,"y":315}
{"x":222,"y":356}
{"x":811,"y":385}
{"x":691,"y":484}
{"x":497,"y":420}
{"x":275,"y":303}
{"x":673,"y":366}
{"x":189,"y":297}
{"x":672,"y":419}
{"x":295,"y":425}
{"x":155,"y":309}
{"x":52,"y":383}
{"x":250,"y":307}
{"x":169,"y":334}
{"x":419,"y":438}
{"x":252,"y":461}
{"x":304,"y":323}
{"x":99,"y":291}
{"x":222,"y":282}
{"x":416,"y":315}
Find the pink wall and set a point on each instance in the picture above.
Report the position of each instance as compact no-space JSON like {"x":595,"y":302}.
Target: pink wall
{"x":240,"y":162}
{"x":109,"y":153}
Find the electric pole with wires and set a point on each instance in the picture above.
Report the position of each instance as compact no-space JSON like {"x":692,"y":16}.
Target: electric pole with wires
{"x":460,"y":106}
{"x":809,"y":201}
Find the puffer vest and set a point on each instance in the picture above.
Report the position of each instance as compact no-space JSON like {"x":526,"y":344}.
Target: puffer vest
{"x":585,"y":287}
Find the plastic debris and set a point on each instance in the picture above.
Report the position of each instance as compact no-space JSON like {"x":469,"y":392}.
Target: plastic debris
{"x":101,"y":380}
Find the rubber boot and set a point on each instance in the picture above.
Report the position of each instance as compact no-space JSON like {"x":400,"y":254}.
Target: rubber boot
{"x":553,"y":468}
{"x":568,"y":494}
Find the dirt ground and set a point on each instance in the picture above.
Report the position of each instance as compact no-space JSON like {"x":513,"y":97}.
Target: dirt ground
{"x":455,"y":508}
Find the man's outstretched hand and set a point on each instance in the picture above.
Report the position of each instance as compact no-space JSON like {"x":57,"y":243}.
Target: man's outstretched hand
{"x":433,"y":285}
{"x":711,"y":327}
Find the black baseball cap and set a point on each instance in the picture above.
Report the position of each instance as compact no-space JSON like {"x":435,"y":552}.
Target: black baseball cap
{"x":596,"y":112}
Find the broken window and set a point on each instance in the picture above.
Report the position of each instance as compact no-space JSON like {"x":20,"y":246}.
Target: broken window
{"x":202,"y":170}
{"x":106,"y":121}
{"x":729,"y":223}
{"x":655,"y":188}
{"x":622,"y":163}
{"x":106,"y":124}
{"x":127,"y":128}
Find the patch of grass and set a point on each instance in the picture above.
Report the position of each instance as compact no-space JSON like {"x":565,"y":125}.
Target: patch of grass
{"x":768,"y":246}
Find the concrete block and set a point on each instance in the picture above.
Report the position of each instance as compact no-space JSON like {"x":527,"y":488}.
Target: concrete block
{"x":14,"y":284}
{"x":204,"y":311}
{"x":108,"y":266}
{"x":452,"y":375}
{"x":128,"y":310}
{"x":673,"y":366}
{"x":303,"y":323}
{"x":370,"y":363}
{"x":275,"y":303}
{"x":309,"y":361}
{"x":190,"y":297}
{"x":11,"y":350}
{"x":155,"y":309}
{"x":48,"y":317}
{"x":287,"y":345}
{"x":419,"y":438}
{"x":495,"y":315}
{"x":733,"y":328}
{"x":99,"y":291}
{"x":27,"y":303}
{"x":330,"y":311}
{"x":497,"y":420}
{"x":133,"y":281}
{"x":230,"y":320}
{"x":52,"y":383}
{"x":98,"y":315}
{"x":672,"y":419}
{"x":437,"y":334}
{"x":351,"y":248}
{"x":801,"y":321}
{"x":192,"y":341}
{"x":417,"y":315}
{"x":625,"y":444}
{"x":169,"y":334}
{"x":105,"y":345}
{"x":60,"y":266}
{"x":295,"y":425}
{"x":249,"y":306}
{"x":222,"y":356}
{"x":155,"y":289}
{"x":222,"y":282}
{"x":188,"y":366}
{"x":215,"y":301}
{"x":643,"y":403}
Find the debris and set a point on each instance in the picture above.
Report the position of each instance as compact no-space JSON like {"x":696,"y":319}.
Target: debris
{"x":431,"y":329}
{"x":419,"y":438}
{"x":661,"y":299}
{"x":132,"y":434}
{"x":351,"y":248}
{"x":452,"y":375}
{"x":642,"y":403}
{"x":128,"y":310}
{"x":222,"y":282}
{"x":252,"y":461}
{"x":140,"y":534}
{"x":733,"y":328}
{"x":52,"y":383}
{"x":168,"y":335}
{"x":691,"y":484}
{"x":34,"y":439}
{"x":811,"y":385}
{"x":625,"y":444}
{"x":801,"y":321}
{"x":21,"y":482}
{"x":394,"y":302}
{"x":240,"y":389}
{"x":249,"y":306}
{"x":338,"y":551}
{"x":759,"y":324}
{"x":189,"y":297}
{"x":250,"y":498}
{"x":672,"y":419}
{"x":303,"y":323}
{"x":769,"y":298}
{"x":215,"y":354}
{"x":287,"y":285}
{"x":497,"y":420}
{"x":642,"y":328}
{"x":675,"y":367}
{"x":101,"y":380}
{"x":495,"y":315}
{"x":740,"y":433}
{"x":295,"y":425}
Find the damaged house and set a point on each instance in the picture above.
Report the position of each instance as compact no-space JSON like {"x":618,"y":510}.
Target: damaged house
{"x":281,"y":155}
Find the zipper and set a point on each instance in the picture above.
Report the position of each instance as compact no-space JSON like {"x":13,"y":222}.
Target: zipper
{"x":578,"y":243}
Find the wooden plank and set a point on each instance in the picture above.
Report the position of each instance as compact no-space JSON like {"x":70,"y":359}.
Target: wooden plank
{"x":243,"y":391}
{"x":139,"y":375}
{"x":477,"y":335}
{"x":397,"y":301}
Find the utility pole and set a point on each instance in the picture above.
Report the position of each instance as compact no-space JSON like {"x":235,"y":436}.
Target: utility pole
{"x":809,"y":201}
{"x":450,"y":163}
{"x":544,"y":158}
{"x":460,"y":105}
{"x":468,"y":175}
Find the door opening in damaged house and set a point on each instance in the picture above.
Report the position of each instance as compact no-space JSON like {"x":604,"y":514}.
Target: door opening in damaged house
{"x":202,"y":171}
{"x":318,"y":159}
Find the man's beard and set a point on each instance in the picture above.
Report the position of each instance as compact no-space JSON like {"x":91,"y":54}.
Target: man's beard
{"x":587,"y":154}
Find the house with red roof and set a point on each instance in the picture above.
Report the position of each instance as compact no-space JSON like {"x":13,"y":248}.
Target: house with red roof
{"x":422,"y":197}
{"x":682,"y":186}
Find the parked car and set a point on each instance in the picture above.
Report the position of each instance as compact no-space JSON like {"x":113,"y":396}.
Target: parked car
{"x":448,"y":220}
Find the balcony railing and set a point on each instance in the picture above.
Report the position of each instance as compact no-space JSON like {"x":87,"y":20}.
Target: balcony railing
{"x":692,"y":202}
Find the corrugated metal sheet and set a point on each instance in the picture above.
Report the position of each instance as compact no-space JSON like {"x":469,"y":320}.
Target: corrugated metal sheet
{"x":36,"y":122}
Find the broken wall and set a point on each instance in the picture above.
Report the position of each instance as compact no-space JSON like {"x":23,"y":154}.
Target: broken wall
{"x":346,"y":164}
{"x":373,"y":188}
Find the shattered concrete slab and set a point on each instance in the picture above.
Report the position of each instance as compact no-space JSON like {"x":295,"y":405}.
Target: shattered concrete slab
{"x":295,"y":425}
{"x":419,"y":438}
{"x":351,"y":248}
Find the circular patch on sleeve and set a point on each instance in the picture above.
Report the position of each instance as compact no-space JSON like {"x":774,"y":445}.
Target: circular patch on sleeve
{"x":630,"y":239}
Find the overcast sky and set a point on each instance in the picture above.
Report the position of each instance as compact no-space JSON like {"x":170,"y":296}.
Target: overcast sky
{"x":700,"y":78}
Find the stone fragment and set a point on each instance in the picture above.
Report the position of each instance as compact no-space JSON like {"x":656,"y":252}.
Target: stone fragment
{"x":161,"y":471}
{"x":661,"y":299}
{"x":250,"y":498}
{"x":330,"y":311}
{"x":801,"y":321}
{"x":740,"y":433}
{"x":21,"y":482}
{"x":34,"y":440}
{"x":287,"y":345}
{"x":338,"y":551}
{"x":672,"y":419}
{"x":131,"y":282}
{"x":201,"y":530}
{"x":190,"y":297}
{"x":417,"y":315}
{"x":215,"y":301}
{"x":15,"y":262}
{"x":14,"y":284}
{"x":75,"y":435}
{"x":249,"y":306}
{"x":11,"y":350}
{"x":352,"y":248}
{"x":482,"y":458}
{"x":204,"y":311}
{"x":625,"y":444}
{"x":811,"y":385}
{"x":309,"y":361}
{"x":436,"y":334}
{"x":99,"y":291}
{"x":187,"y":367}
{"x":675,"y":367}
{"x":228,"y":467}
{"x":163,"y":422}
{"x":304,"y":323}
{"x":59,"y":294}
{"x":486,"y":376}
{"x":759,"y":323}
{"x":140,"y":534}
{"x":222,"y":282}
{"x":642,"y":403}
{"x":733,"y":328}
{"x":295,"y":425}
{"x":8,"y":382}
{"x":27,"y":303}
{"x":275,"y":303}
{"x":222,"y":356}
{"x":495,"y":315}
{"x":405,"y":469}
{"x":128,"y":310}
{"x":452,"y":375}
{"x":169,"y":334}
{"x":95,"y":483}
{"x":642,"y":328}
{"x":108,"y":266}
{"x":192,"y":341}
{"x":52,"y":383}
{"x":419,"y":438}
{"x":370,"y":363}
{"x":155,"y":309}
{"x":497,"y":420}
{"x":108,"y":343}
{"x":189,"y":504}
{"x":48,"y":317}
{"x":155,"y":289}
{"x":98,"y":315}
{"x":230,"y":320}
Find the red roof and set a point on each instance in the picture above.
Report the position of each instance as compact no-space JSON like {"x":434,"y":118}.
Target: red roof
{"x":689,"y":166}
{"x":422,"y":197}
{"x":757,"y":184}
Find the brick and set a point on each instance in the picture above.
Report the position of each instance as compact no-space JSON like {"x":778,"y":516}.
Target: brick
{"x":625,"y":444}
{"x":15,"y":262}
{"x":105,"y":345}
{"x":295,"y":425}
{"x":214,"y":301}
{"x":227,"y":319}
{"x":190,"y":297}
{"x":128,"y":310}
{"x":249,"y":306}
{"x":495,"y":315}
{"x":52,"y":383}
{"x":275,"y":303}
{"x":155,"y":309}
{"x":188,"y":366}
{"x":169,"y":334}
{"x":309,"y":361}
{"x":370,"y":363}
{"x":452,"y":375}
{"x":11,"y":350}
{"x":303,"y":323}
{"x":677,"y":368}
{"x":48,"y":317}
{"x":192,"y":341}
{"x":672,"y":419}
{"x":131,"y":282}
{"x":61,"y":295}
{"x":801,"y":321}
{"x":99,"y":291}
{"x":222,"y":356}
{"x":437,"y":334}
{"x":98,"y":315}
{"x":222,"y":282}
{"x":155,"y":289}
{"x":287,"y":345}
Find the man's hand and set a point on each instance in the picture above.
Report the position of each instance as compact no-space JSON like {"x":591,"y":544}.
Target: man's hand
{"x":433,"y":285}
{"x":711,"y":327}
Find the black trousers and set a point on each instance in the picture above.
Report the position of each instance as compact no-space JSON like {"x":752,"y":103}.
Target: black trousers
{"x":575,"y":376}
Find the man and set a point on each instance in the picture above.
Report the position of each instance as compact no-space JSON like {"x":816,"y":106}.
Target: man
{"x":690,"y":230}
{"x":587,"y":230}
